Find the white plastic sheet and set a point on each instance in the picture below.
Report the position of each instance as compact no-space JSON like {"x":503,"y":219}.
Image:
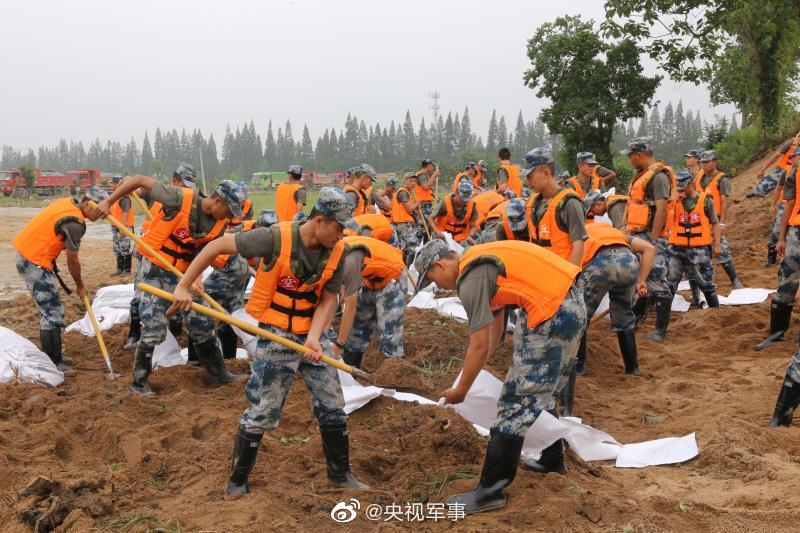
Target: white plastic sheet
{"x":21,"y":360}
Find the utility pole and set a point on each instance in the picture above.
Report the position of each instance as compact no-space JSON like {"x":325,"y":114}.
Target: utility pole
{"x":434,"y":96}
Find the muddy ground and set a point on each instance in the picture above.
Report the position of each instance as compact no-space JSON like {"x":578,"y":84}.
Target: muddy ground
{"x":110,"y":460}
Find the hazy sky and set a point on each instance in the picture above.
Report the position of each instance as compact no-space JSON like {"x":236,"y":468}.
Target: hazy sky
{"x":82,"y":69}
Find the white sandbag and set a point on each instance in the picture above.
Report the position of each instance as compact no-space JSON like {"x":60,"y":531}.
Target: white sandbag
{"x":111,"y":305}
{"x":168,"y":353}
{"x":745,"y":297}
{"x":21,"y":360}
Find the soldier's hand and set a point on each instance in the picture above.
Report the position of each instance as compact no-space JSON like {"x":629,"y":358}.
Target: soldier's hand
{"x":780,"y":248}
{"x":197,"y":290}
{"x":773,"y":211}
{"x":102,"y":209}
{"x":641,"y":289}
{"x":81,"y":292}
{"x":316,"y":351}
{"x":182,"y":301}
{"x":454,"y":395}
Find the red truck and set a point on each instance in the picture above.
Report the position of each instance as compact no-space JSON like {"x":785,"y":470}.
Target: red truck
{"x":48,"y":183}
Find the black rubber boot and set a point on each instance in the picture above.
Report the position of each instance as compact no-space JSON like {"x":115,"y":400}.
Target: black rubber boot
{"x":119,"y":266}
{"x":552,"y":460}
{"x":663,"y":307}
{"x":788,"y":399}
{"x":142,"y":366}
{"x":712,"y":298}
{"x":566,"y":398}
{"x":640,"y":310}
{"x":228,"y":339}
{"x":245,"y":449}
{"x":580,"y":358}
{"x":780,"y":316}
{"x":210,"y":356}
{"x":134,"y":333}
{"x":499,"y":471}
{"x":176,"y":327}
{"x":695,"y":294}
{"x":192,"y":359}
{"x":627,"y":347}
{"x":353,"y":358}
{"x":335,"y":444}
{"x":126,"y":264}
{"x":731,"y":272}
{"x":772,"y":256}
{"x":51,"y":345}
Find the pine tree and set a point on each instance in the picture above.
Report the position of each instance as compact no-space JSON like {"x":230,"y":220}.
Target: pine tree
{"x":669,"y":139}
{"x":491,"y":136}
{"x":271,"y":149}
{"x":644,"y":128}
{"x":409,"y":139}
{"x":306,"y":155}
{"x":502,"y":132}
{"x":465,"y":140}
{"x":734,"y":124}
{"x":520,"y":136}
{"x":146,"y":159}
{"x":654,"y":124}
{"x":210,"y":159}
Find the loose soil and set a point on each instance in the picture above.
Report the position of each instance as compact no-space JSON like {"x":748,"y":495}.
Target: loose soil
{"x":88,"y":454}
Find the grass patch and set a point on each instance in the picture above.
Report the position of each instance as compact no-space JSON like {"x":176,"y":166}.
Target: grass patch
{"x":294,"y":439}
{"x":31,"y":201}
{"x":439,"y":367}
{"x":266,"y":200}
{"x":437,"y":482}
{"x":141,"y":522}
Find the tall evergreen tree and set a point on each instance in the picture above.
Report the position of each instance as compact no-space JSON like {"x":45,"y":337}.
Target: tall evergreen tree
{"x":491,"y":136}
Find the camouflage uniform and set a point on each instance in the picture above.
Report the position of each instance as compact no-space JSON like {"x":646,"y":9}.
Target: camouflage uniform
{"x":121,"y":242}
{"x":695,"y":261}
{"x":407,"y":235}
{"x":43,"y":286}
{"x":612,"y":271}
{"x":382,"y":308}
{"x":225,"y":285}
{"x":540,"y":366}
{"x":776,"y":225}
{"x":657,"y":285}
{"x":789,"y":270}
{"x":725,"y":251}
{"x":152,"y":309}
{"x":489,"y":231}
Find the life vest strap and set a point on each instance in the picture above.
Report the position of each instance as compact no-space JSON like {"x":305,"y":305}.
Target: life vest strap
{"x":310,"y":296}
{"x":177,"y":255}
{"x":290,"y":312}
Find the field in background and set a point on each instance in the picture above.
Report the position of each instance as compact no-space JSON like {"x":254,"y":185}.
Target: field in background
{"x":266,"y":200}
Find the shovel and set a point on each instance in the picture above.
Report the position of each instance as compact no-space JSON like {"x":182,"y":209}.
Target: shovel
{"x":255,"y":330}
{"x":110,"y":374}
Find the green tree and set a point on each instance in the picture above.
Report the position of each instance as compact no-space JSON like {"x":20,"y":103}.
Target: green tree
{"x":30,"y":178}
{"x":591,"y":83}
{"x":747,"y":49}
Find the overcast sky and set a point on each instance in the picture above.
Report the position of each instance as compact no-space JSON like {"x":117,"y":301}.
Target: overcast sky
{"x":82,"y":69}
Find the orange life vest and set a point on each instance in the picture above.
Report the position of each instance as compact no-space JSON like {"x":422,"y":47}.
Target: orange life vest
{"x":400,"y":212}
{"x":476,"y":181}
{"x":712,"y":188}
{"x":247,"y":212}
{"x":576,"y":184}
{"x":485,"y":202}
{"x":614,"y":199}
{"x":600,"y":236}
{"x":154,"y":209}
{"x":423,"y":194}
{"x":639,"y":208}
{"x":38,"y":241}
{"x":459,"y":228}
{"x":279,"y":298}
{"x":379,"y":227}
{"x":794,"y":220}
{"x":514,"y":182}
{"x":541,"y":294}
{"x":496,"y":212}
{"x":361,"y":200}
{"x":507,"y":227}
{"x":173,"y":238}
{"x":221,"y":260}
{"x":116,"y":212}
{"x":693,"y":228}
{"x":785,"y":162}
{"x":545,"y":232}
{"x":286,"y":207}
{"x":382,"y":262}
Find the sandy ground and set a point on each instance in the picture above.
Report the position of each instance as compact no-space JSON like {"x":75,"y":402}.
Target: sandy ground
{"x":108,"y":455}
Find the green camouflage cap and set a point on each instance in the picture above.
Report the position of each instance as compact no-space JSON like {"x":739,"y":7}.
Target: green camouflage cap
{"x":334,"y":203}
{"x":591,"y":198}
{"x":95,"y":193}
{"x":708,"y":155}
{"x":536,"y":158}
{"x":515,"y":211}
{"x":586,"y":157}
{"x":232,"y":193}
{"x":639,"y":144}
{"x":427,"y":256}
{"x":267,"y":218}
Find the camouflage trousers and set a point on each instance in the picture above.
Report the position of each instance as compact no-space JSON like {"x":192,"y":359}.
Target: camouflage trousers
{"x":489,"y":231}
{"x":541,"y":364}
{"x":724,"y":256}
{"x":152,"y":309}
{"x":789,"y":270}
{"x":695,"y":262}
{"x":381,"y":310}
{"x":776,"y":225}
{"x":794,"y":364}
{"x":272,"y":374}
{"x":427,"y":209}
{"x":43,"y":286}
{"x":612,"y":271}
{"x":121,"y":242}
{"x":225,"y":285}
{"x":657,"y":286}
{"x":407,"y":235}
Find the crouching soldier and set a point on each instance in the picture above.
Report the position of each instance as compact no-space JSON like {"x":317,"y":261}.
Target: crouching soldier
{"x":489,"y":277}
{"x":60,"y":225}
{"x":294,"y":297}
{"x":375,"y":307}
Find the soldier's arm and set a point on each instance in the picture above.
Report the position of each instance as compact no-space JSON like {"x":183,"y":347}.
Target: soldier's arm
{"x":323,"y":315}
{"x":647,"y":254}
{"x":74,"y":267}
{"x":183,"y":297}
{"x":787,"y":214}
{"x":127,"y":186}
{"x":480,"y":343}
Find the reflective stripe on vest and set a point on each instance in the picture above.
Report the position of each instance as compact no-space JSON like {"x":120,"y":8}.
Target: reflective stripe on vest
{"x":286,"y":207}
{"x":279,"y":298}
{"x":382,"y":262}
{"x":514,"y":182}
{"x":692,"y":228}
{"x":38,"y":241}
{"x":459,"y":228}
{"x":540,"y":295}
{"x":545,"y":232}
{"x":116,"y":212}
{"x":600,"y":236}
{"x":400,"y":212}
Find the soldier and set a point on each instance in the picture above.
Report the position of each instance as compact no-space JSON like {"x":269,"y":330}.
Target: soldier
{"x":492,"y":222}
{"x":187,"y":222}
{"x":513,"y":224}
{"x":60,"y":225}
{"x":403,"y":209}
{"x":508,"y":174}
{"x":649,"y":215}
{"x":479,"y":181}
{"x":385,"y":197}
{"x":423,"y":191}
{"x":598,"y":205}
{"x":294,"y":296}
{"x":691,"y":238}
{"x":374,"y":291}
{"x":692,"y":160}
{"x":360,"y":192}
{"x":789,"y":247}
{"x":373,"y":225}
{"x":457,"y":215}
{"x":591,"y":175}
{"x":122,"y":211}
{"x":470,"y":174}
{"x":783,"y":157}
{"x":290,"y":198}
{"x":718,"y":186}
{"x":488,"y":278}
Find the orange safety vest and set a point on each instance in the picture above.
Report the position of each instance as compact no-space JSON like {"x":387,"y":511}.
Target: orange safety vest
{"x":600,"y":236}
{"x":247,"y":212}
{"x":154,"y":209}
{"x":476,"y":181}
{"x":379,"y":227}
{"x":712,"y":188}
{"x":496,"y":212}
{"x":685,"y":230}
{"x":221,"y":260}
{"x":173,"y":238}
{"x":540,"y":295}
{"x":361,"y":199}
{"x":514,"y":182}
{"x":485,"y":202}
{"x":614,"y":199}
{"x":286,"y":207}
{"x":279,"y":298}
{"x":116,"y":212}
{"x":785,"y":162}
{"x":639,"y":209}
{"x":507,"y":227}
{"x":382,"y":263}
{"x":576,"y":184}
{"x":38,"y":241}
{"x":459,"y":228}
{"x":458,"y":177}
{"x":422,"y":194}
{"x":400,"y":212}
{"x":545,"y":232}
